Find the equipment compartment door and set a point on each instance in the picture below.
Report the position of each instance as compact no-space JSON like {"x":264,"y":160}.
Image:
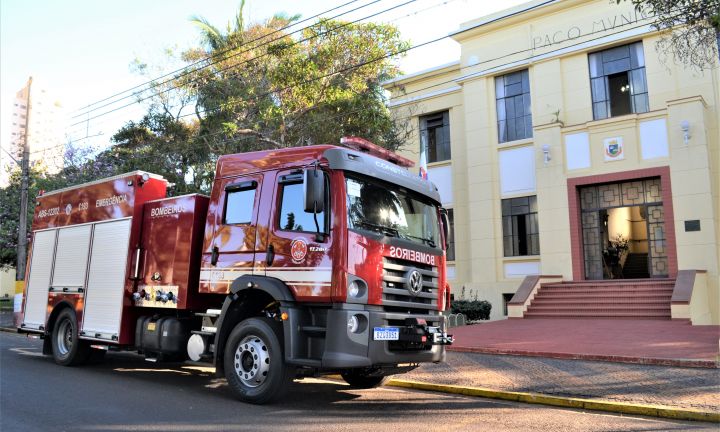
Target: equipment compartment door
{"x":43,"y":251}
{"x":106,"y":280}
{"x":71,"y":258}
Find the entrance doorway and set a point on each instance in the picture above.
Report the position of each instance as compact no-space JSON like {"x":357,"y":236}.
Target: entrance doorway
{"x":623,"y":230}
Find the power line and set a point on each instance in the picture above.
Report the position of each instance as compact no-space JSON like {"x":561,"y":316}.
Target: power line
{"x":186,"y":70}
{"x":443,"y":3}
{"x":429,"y":76}
{"x":231,"y":66}
{"x":468,"y":75}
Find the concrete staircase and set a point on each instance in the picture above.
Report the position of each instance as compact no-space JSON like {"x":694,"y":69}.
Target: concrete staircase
{"x":612,"y":299}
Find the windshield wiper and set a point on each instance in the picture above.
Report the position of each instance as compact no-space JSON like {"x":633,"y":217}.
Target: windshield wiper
{"x":383,"y":229}
{"x":429,"y":241}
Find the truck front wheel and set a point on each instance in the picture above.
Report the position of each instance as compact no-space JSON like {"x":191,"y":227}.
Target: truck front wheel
{"x":254,"y":364}
{"x":68,"y":349}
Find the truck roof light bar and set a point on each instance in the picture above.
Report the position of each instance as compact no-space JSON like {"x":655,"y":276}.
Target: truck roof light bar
{"x":365,"y":146}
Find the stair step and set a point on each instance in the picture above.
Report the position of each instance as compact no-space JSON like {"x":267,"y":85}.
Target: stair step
{"x":597,"y":316}
{"x":607,"y":292}
{"x":593,"y":308}
{"x":631,"y":294}
{"x":599,"y":313}
{"x":609,"y":301}
{"x":670,"y":282}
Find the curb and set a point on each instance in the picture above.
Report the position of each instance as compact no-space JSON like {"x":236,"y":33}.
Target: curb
{"x":565,"y":402}
{"x":8,"y":329}
{"x":693,"y":363}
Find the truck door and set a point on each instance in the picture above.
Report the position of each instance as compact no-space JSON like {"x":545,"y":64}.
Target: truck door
{"x":299,"y":251}
{"x":230,"y":250}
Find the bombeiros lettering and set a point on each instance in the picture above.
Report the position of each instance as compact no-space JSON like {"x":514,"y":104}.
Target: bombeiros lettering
{"x":166,"y":211}
{"x":411,"y":255}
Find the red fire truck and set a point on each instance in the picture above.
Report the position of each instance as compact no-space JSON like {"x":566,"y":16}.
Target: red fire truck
{"x":302,"y":261}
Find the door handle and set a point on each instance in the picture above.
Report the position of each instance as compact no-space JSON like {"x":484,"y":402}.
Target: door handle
{"x":215,"y":255}
{"x":270,"y":257}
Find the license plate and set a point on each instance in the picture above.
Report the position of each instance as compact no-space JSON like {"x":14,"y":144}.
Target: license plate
{"x":386,"y":333}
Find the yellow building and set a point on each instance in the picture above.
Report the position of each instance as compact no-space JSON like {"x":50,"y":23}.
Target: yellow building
{"x":566,"y":146}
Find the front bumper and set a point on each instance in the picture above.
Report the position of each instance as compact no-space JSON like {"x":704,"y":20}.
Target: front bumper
{"x":419,"y":341}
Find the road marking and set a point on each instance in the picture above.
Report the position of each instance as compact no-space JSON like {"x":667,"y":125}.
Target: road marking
{"x":27,"y":352}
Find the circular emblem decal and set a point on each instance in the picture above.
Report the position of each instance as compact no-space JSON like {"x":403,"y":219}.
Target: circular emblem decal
{"x":298,"y":249}
{"x":68,"y":209}
{"x":414,"y":282}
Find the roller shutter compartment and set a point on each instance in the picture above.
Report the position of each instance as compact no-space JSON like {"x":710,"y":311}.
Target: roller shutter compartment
{"x":43,"y":251}
{"x":106,"y":280}
{"x":71,"y":258}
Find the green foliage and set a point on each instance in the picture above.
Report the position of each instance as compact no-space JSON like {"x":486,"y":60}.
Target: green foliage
{"x":298,"y":90}
{"x":690,"y":29}
{"x":474,"y":310}
{"x":77,"y":170}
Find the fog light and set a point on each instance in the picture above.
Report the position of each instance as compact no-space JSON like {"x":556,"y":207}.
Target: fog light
{"x":353,"y":324}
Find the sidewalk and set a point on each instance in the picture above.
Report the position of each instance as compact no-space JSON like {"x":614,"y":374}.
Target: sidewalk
{"x":673,"y":343}
{"x":687,"y":388}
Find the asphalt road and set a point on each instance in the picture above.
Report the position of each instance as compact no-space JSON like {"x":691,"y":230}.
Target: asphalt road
{"x":126,"y":393}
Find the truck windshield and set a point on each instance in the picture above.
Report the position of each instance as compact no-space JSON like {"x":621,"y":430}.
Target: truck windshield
{"x":394,"y":212}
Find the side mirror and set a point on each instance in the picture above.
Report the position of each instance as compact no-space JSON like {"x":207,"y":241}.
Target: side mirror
{"x":445,"y":226}
{"x":314,"y":190}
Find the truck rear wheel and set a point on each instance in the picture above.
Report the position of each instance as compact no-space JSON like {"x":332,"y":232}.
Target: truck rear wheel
{"x":68,"y":349}
{"x":362,"y":379}
{"x":254,"y":363}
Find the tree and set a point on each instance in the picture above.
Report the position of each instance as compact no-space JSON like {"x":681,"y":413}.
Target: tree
{"x":314,"y":88}
{"x":77,"y":169}
{"x":690,"y":29}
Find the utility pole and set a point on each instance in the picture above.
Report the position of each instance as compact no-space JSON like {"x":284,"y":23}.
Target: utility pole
{"x":24,"y":186}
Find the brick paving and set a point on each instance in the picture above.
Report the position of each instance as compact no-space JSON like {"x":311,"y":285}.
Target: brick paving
{"x":639,"y":341}
{"x":697,"y":388}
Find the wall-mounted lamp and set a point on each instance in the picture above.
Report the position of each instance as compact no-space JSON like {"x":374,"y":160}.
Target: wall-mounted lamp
{"x":546,"y":153}
{"x":685,"y":126}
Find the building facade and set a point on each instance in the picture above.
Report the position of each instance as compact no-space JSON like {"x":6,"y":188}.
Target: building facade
{"x":565,"y":145}
{"x":42,"y":120}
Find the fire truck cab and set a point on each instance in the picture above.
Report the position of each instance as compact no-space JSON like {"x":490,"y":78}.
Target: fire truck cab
{"x":302,"y":261}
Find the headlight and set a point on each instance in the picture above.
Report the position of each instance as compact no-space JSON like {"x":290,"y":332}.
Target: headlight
{"x":353,"y":324}
{"x":357,"y":290}
{"x":354,"y":289}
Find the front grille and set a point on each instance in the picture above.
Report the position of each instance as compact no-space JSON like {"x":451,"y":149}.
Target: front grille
{"x":397,"y":298}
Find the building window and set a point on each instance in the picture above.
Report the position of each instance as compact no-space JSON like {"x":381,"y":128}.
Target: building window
{"x":239,"y":204}
{"x":512,"y":98}
{"x":520,"y":226}
{"x":293,"y":216}
{"x":450,"y":253}
{"x":617,"y":81}
{"x":435,"y":137}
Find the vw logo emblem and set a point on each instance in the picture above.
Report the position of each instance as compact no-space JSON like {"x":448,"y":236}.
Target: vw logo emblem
{"x":414,"y":282}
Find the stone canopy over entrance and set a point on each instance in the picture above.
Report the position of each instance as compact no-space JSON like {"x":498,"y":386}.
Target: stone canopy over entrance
{"x":623,"y":230}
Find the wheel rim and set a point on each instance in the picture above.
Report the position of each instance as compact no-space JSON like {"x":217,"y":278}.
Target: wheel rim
{"x":64,"y":337}
{"x":252,"y":361}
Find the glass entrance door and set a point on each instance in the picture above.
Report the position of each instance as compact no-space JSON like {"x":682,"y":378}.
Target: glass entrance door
{"x":623,"y":230}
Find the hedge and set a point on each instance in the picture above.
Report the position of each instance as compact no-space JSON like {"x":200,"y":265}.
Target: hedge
{"x":474,"y":310}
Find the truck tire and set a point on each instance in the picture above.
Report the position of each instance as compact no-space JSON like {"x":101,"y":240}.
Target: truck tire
{"x":254,"y":362}
{"x":68,"y":349}
{"x":362,"y":380}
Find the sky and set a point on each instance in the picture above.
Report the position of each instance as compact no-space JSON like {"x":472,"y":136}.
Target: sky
{"x":80,"y":51}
